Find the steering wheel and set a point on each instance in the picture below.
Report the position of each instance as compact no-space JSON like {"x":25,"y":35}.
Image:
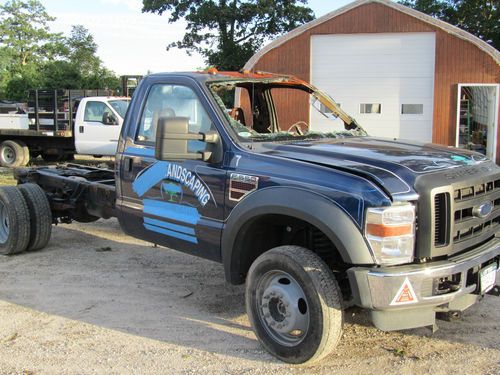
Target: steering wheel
{"x":297,"y":128}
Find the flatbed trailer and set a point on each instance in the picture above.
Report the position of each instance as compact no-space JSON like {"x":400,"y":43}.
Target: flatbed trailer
{"x":63,"y":123}
{"x":52,"y":145}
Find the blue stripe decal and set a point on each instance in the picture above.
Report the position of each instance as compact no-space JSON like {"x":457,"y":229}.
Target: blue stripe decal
{"x":178,"y":212}
{"x":171,"y":233}
{"x":136,"y":151}
{"x":164,"y":224}
{"x":150,"y":177}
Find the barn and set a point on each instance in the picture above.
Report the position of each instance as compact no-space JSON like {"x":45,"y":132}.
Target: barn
{"x":399,"y":72}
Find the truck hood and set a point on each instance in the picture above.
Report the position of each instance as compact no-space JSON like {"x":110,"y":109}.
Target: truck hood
{"x":392,"y":164}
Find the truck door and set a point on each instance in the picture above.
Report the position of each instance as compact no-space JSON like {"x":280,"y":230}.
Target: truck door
{"x":97,"y":129}
{"x":177,"y":203}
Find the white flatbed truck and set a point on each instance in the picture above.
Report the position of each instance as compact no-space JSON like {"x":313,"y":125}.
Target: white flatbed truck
{"x":88,"y":126}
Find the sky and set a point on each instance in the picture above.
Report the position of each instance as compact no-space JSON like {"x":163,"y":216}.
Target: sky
{"x":132,"y":42}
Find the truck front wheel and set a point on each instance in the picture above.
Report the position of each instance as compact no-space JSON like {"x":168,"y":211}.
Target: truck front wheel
{"x":294,"y":304}
{"x":14,"y":154}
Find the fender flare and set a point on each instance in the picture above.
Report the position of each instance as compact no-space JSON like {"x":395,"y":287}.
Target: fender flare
{"x":302,"y":204}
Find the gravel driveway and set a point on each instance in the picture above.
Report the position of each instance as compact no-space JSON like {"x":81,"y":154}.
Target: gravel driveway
{"x":98,"y":301}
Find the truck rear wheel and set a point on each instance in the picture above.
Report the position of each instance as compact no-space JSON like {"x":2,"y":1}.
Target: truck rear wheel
{"x":13,"y":154}
{"x":14,"y":221}
{"x":40,"y":216}
{"x":294,"y":304}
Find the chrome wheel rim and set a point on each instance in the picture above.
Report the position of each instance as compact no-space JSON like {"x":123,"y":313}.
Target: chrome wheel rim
{"x":4,"y":223}
{"x":283,"y":308}
{"x":8,"y":155}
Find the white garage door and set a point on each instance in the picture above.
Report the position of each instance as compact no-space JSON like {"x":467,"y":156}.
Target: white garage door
{"x":385,"y":81}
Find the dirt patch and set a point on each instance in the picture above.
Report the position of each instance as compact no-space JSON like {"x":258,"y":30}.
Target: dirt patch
{"x":98,"y":301}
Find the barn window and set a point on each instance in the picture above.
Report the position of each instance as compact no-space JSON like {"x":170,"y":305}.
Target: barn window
{"x":412,"y":109}
{"x":370,"y":108}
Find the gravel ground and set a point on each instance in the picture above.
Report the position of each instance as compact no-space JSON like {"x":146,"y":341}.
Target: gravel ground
{"x":97,"y":301}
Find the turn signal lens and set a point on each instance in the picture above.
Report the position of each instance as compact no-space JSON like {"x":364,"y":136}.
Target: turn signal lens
{"x":380,"y":230}
{"x":390,"y":231}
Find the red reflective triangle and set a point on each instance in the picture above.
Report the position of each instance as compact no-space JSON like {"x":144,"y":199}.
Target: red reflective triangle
{"x":406,"y":295}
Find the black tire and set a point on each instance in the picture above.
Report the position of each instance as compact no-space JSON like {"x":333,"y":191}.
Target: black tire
{"x":40,"y":216}
{"x":280,"y":306}
{"x":14,"y":221}
{"x":13,"y":154}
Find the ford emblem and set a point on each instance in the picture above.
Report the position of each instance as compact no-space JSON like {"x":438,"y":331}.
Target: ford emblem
{"x":483,"y":210}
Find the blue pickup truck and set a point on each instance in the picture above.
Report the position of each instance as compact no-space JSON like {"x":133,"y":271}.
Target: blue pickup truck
{"x":309,"y":211}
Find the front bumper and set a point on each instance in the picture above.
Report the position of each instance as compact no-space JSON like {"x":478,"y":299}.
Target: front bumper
{"x":409,"y":296}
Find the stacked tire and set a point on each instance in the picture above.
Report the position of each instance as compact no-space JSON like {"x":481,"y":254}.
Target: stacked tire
{"x":25,"y":219}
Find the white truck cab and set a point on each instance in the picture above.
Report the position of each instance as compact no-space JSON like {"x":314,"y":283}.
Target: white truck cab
{"x":98,"y":123}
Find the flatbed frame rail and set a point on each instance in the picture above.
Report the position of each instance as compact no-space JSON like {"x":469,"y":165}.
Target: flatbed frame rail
{"x":75,"y":192}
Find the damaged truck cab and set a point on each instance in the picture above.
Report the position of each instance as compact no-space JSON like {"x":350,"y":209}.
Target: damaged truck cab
{"x":295,"y":200}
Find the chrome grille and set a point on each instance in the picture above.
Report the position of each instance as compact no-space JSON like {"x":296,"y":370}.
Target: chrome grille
{"x":467,"y":223}
{"x":448,"y":206}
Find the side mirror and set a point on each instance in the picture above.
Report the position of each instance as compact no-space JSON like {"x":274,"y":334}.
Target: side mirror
{"x":109,"y":119}
{"x":172,"y":136}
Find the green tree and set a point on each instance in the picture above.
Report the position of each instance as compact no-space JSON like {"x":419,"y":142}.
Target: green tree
{"x":228,"y":32}
{"x":31,"y":57}
{"x":60,"y":74}
{"x":24,"y":31}
{"x":479,"y":17}
{"x":5,"y":61}
{"x":102,"y":79}
{"x":82,"y":50}
{"x":27,"y":78}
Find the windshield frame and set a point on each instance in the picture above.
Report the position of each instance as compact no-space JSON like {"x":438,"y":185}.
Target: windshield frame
{"x":352,"y":127}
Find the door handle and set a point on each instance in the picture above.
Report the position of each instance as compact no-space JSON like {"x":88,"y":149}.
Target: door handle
{"x":81,"y":129}
{"x":128,"y":164}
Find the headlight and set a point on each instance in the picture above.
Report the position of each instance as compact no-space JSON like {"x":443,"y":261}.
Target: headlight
{"x":390,"y":231}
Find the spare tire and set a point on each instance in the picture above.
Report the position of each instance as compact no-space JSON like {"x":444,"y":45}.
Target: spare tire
{"x":14,"y":221}
{"x":40,"y":216}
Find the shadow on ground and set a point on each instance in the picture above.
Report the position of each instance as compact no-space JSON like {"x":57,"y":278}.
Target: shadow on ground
{"x":96,"y":274}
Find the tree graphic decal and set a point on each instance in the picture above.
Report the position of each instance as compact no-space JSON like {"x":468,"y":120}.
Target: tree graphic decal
{"x":174,"y":191}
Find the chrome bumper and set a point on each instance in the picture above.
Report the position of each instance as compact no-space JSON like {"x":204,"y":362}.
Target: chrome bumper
{"x":382,"y":288}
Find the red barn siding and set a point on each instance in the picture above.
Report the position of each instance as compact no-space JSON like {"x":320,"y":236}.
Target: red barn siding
{"x":457,"y":60}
